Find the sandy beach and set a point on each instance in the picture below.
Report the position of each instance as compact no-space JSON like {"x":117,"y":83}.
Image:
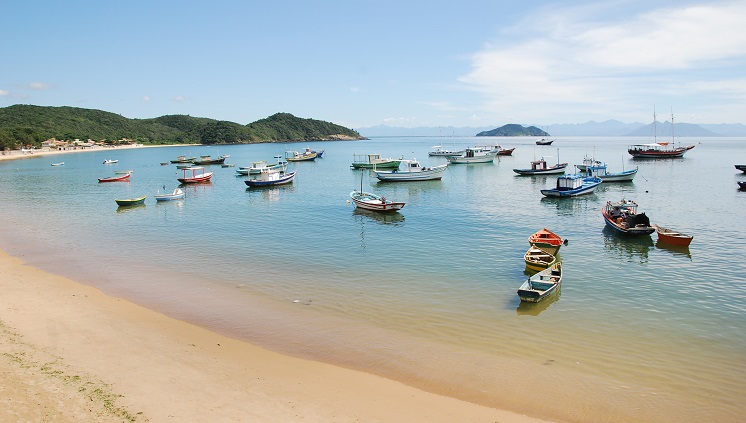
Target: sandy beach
{"x":73,"y":354}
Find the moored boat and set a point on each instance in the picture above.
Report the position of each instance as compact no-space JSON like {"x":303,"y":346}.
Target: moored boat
{"x":131,"y":201}
{"x":117,"y":178}
{"x":413,"y":171}
{"x":374,"y":161}
{"x":108,"y":161}
{"x":441,"y":152}
{"x":184,"y":159}
{"x":58,"y":164}
{"x":122,"y":172}
{"x":539,"y":167}
{"x":741,"y":167}
{"x":373,"y":202}
{"x":542,"y":284}
{"x":256,"y":167}
{"x":670,"y":236}
{"x":742,"y":185}
{"x":599,"y":171}
{"x":537,"y":259}
{"x":473,"y":155}
{"x":658,"y":149}
{"x":301,"y":157}
{"x":572,"y":185}
{"x":547,"y":241}
{"x":587,"y":162}
{"x":208,"y":160}
{"x":177,"y":194}
{"x":544,"y":141}
{"x":624,"y":218}
{"x":271,"y":178}
{"x":195,"y":175}
{"x":505,"y":151}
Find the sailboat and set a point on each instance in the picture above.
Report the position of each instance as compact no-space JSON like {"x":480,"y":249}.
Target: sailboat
{"x":658,"y":149}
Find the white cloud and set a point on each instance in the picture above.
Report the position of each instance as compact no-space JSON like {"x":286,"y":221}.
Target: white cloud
{"x":399,"y":120}
{"x":4,"y":92}
{"x":579,"y":62}
{"x":146,"y":98}
{"x":179,"y":98}
{"x":39,"y":86}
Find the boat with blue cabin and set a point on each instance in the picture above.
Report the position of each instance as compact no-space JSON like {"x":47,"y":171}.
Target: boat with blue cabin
{"x":572,"y":185}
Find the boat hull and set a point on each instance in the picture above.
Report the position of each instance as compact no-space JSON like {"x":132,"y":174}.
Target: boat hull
{"x":372,"y":202}
{"x":428,"y":174}
{"x":392,"y":164}
{"x":284,"y":179}
{"x":505,"y":152}
{"x":625,"y":176}
{"x":557,"y":169}
{"x":125,"y":177}
{"x":586,"y":188}
{"x":672,"y":237}
{"x":541,"y":285}
{"x":488,"y":158}
{"x":196,"y":180}
{"x":131,"y":201}
{"x":634,"y":231}
{"x":742,"y":167}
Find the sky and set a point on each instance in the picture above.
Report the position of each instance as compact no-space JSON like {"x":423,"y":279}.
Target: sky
{"x":402,"y":63}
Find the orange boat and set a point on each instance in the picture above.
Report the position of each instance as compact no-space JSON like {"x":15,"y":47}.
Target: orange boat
{"x":547,"y":241}
{"x":672,"y":237}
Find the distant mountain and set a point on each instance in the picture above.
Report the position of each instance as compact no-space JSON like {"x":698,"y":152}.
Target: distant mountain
{"x":30,"y":125}
{"x":514,"y":130}
{"x":609,"y":128}
{"x":665,"y":130}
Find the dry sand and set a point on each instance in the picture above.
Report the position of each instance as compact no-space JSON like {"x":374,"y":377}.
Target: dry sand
{"x":69,"y":353}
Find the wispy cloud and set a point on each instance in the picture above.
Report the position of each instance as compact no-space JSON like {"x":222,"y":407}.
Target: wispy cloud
{"x":4,"y":92}
{"x":38,"y":86}
{"x":594,"y":59}
{"x":146,"y":98}
{"x":180,"y":98}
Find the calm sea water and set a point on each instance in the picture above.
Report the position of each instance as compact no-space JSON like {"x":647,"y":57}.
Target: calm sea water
{"x":639,"y":332}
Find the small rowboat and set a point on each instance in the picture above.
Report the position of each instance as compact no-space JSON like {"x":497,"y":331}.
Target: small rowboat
{"x":107,"y":161}
{"x":122,"y":172}
{"x":670,"y":236}
{"x":538,"y":259}
{"x":373,"y":202}
{"x":58,"y":164}
{"x":176,"y":195}
{"x":125,"y":177}
{"x":541,"y":285}
{"x":131,"y":201}
{"x":546,"y":240}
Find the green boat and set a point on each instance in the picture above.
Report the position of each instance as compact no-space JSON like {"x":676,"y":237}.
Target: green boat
{"x":374,"y":161}
{"x":131,"y":201}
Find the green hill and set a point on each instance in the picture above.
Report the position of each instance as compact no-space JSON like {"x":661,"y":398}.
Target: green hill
{"x":514,"y":130}
{"x":30,"y":125}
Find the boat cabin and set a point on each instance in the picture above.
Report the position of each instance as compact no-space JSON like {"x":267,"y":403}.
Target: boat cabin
{"x":540,"y":164}
{"x":569,"y":182}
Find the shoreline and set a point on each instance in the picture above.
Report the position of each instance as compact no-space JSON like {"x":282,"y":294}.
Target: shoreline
{"x":19,"y":155}
{"x":63,"y":341}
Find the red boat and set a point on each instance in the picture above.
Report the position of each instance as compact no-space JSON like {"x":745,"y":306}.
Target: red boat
{"x":195,"y":175}
{"x":116,"y":178}
{"x":546,"y":240}
{"x":672,"y":237}
{"x":505,"y":151}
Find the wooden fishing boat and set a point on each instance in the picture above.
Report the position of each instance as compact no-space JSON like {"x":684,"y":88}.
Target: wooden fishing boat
{"x":256,"y":167}
{"x":441,"y":152}
{"x":116,"y":178}
{"x":413,"y":172}
{"x":544,"y":141}
{"x":58,"y":164}
{"x":537,"y":259}
{"x":301,"y":157}
{"x":178,"y":194}
{"x":670,"y":236}
{"x":208,"y":160}
{"x":658,"y":149}
{"x":473,"y":155}
{"x":195,"y":175}
{"x":598,"y":170}
{"x":572,"y":185}
{"x":271,"y":178}
{"x":108,"y":161}
{"x":547,"y":241}
{"x":539,"y":167}
{"x":184,"y":159}
{"x":742,"y":168}
{"x":588,"y":161}
{"x":624,"y":218}
{"x":374,"y":161}
{"x":505,"y":151}
{"x":373,"y":202}
{"x":542,"y":284}
{"x":122,"y":172}
{"x":131,"y":201}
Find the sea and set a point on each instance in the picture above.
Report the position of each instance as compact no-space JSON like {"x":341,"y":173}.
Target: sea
{"x":640,"y":331}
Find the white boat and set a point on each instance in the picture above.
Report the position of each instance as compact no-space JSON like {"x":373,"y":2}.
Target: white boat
{"x":542,"y":284}
{"x":599,"y":171}
{"x":176,"y":195}
{"x":473,"y":155}
{"x":572,"y":185}
{"x":587,"y":162}
{"x":256,"y":167}
{"x":373,"y":202}
{"x":271,"y":178}
{"x":439,"y":151}
{"x":108,"y":161}
{"x":122,"y":172}
{"x":413,"y":172}
{"x":58,"y":164}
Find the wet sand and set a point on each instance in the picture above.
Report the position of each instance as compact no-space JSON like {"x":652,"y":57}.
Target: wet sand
{"x":70,"y":353}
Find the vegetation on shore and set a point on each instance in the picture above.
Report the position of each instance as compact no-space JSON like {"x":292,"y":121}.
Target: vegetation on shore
{"x":26,"y":125}
{"x":514,"y":130}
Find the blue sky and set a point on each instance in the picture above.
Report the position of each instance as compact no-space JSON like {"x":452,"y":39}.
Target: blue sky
{"x":381,"y":62}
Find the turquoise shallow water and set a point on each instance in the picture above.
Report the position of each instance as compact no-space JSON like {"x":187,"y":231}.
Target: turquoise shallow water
{"x":639,"y":332}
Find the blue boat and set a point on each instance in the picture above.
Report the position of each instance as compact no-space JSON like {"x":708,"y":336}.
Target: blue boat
{"x":270,"y":178}
{"x":572,"y":185}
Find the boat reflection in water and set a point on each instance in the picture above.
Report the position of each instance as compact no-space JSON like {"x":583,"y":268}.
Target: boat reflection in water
{"x":575,"y":207}
{"x":526,"y":308}
{"x":394,"y":218}
{"x":126,"y":209}
{"x":629,"y":248}
{"x":676,"y":250}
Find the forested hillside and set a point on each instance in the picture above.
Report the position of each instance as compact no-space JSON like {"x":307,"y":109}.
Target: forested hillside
{"x":30,"y":125}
